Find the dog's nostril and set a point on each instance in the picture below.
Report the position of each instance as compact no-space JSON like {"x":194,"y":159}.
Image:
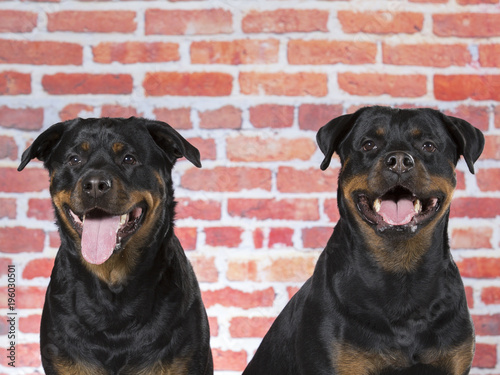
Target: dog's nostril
{"x":96,"y":186}
{"x":399,"y":162}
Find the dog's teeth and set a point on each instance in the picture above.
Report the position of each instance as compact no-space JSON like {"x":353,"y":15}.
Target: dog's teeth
{"x":123,"y":219}
{"x":377,"y":204}
{"x":417,"y":206}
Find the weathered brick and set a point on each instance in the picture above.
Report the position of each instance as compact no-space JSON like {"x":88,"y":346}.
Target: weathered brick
{"x":242,"y":270}
{"x":485,"y":356}
{"x":318,"y":52}
{"x":487,"y":325}
{"x":314,"y":116}
{"x":74,"y":110}
{"x":332,"y":210}
{"x":85,"y":83}
{"x":258,"y":238}
{"x":205,"y":269}
{"x":235,"y":52}
{"x":380,"y":22}
{"x":288,"y":84}
{"x":230,"y":297}
{"x":285,"y":21}
{"x":27,"y":355}
{"x":467,"y":25}
{"x":256,"y":149}
{"x":272,"y":116}
{"x":197,"y":209}
{"x":30,"y":324}
{"x":279,"y":237}
{"x":296,"y":269}
{"x":30,"y":297}
{"x":479,"y":268}
{"x":241,"y":326}
{"x":188,"y":84}
{"x":30,"y":179}
{"x":491,"y":295}
{"x":187,"y":237}
{"x":489,"y":55}
{"x":178,"y":118}
{"x":474,"y":2}
{"x":8,"y":148}
{"x":21,"y":240}
{"x":436,"y":55}
{"x":112,"y":21}
{"x":291,"y":180}
{"x":283,"y":209}
{"x":227,"y":117}
{"x":15,"y":83}
{"x":38,"y":268}
{"x":206,"y":146}
{"x":223,"y":236}
{"x":16,"y":21}
{"x":491,"y":147}
{"x":40,"y":53}
{"x":8,"y":208}
{"x":21,"y":118}
{"x":471,"y":238}
{"x":475,"y":207}
{"x":375,"y":84}
{"x":113,"y":110}
{"x":478,"y":116}
{"x":227,"y":179}
{"x":488,"y":179}
{"x":229,"y":360}
{"x":466,"y":86}
{"x":188,"y":22}
{"x":135,"y":52}
{"x":316,"y":237}
{"x":40,"y":209}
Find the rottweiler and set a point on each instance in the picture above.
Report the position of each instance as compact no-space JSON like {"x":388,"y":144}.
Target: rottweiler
{"x":123,"y":298}
{"x":385,"y":297}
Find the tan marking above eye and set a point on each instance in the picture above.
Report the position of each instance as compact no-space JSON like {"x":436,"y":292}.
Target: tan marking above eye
{"x":117,"y":147}
{"x":85,"y":146}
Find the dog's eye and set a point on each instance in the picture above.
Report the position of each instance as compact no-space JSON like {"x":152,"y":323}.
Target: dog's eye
{"x":369,"y":145}
{"x":74,"y":160}
{"x":129,"y":159}
{"x":429,"y":147}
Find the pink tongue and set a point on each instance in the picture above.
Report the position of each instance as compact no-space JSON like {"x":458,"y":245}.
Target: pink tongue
{"x":99,"y":238}
{"x":397,"y":213}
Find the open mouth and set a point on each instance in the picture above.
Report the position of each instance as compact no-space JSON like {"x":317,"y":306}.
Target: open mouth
{"x":103,"y":233}
{"x":398,"y":209}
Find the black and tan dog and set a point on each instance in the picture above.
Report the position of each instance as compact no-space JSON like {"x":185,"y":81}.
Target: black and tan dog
{"x":123,"y":298}
{"x":385,"y":296}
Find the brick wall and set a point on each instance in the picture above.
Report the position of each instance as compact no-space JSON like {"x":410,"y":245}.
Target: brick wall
{"x":249,"y":83}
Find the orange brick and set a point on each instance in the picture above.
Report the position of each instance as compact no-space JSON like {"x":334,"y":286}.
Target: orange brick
{"x":205,"y":269}
{"x":279,"y":237}
{"x":479,"y":116}
{"x":178,"y":118}
{"x":14,"y":83}
{"x":229,"y":360}
{"x":112,"y":110}
{"x":206,"y":147}
{"x":197,"y":209}
{"x":488,"y":179}
{"x":112,"y":21}
{"x":291,"y":269}
{"x":291,"y":180}
{"x":36,"y":53}
{"x":38,"y":268}
{"x":135,"y":52}
{"x":21,"y":118}
{"x":375,"y":84}
{"x":84,"y":83}
{"x":235,"y":52}
{"x":380,"y":22}
{"x":491,"y":295}
{"x":489,"y":55}
{"x":230,"y":297}
{"x":249,"y":327}
{"x":15,"y":21}
{"x":285,"y":21}
{"x":485,"y":356}
{"x":491,"y":147}
{"x":437,"y":55}
{"x":467,"y":25}
{"x":461,"y":87}
{"x":471,"y":238}
{"x":187,"y":237}
{"x":223,"y":236}
{"x":74,"y":110}
{"x":314,"y":116}
{"x":317,"y":52}
{"x":242,"y":270}
{"x":188,"y":22}
{"x":227,"y":117}
{"x":480,"y":268}
{"x":188,"y":84}
{"x":317,"y":237}
{"x":475,"y":207}
{"x":283,"y":209}
{"x":272,"y":116}
{"x":288,"y":84}
{"x":227,"y":179}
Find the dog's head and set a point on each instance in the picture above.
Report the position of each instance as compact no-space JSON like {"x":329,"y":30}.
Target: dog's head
{"x":110,"y":181}
{"x":398,"y":166}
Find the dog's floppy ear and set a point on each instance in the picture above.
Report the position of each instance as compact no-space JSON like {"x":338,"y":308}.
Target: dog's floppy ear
{"x":470,"y":141}
{"x":330,"y":135}
{"x":170,"y":141}
{"x":43,"y":145}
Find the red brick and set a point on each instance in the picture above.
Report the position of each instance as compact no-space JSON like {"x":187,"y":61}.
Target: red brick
{"x":229,"y":360}
{"x":227,"y":117}
{"x":38,"y":268}
{"x":461,"y":87}
{"x":84,"y":83}
{"x":21,"y":240}
{"x":229,"y":297}
{"x":314,"y":116}
{"x":491,"y":295}
{"x":249,"y":327}
{"x":188,"y":22}
{"x":30,"y":297}
{"x":467,"y":2}
{"x":188,"y":84}
{"x":380,"y":22}
{"x":436,"y":55}
{"x":375,"y":84}
{"x":332,"y":210}
{"x":235,"y":52}
{"x":287,"y":84}
{"x":475,"y":207}
{"x":214,"y":326}
{"x":242,"y":270}
{"x":471,"y":238}
{"x":485,"y":356}
{"x":489,"y":55}
{"x":256,"y":149}
{"x":467,"y":25}
{"x":8,"y":148}
{"x":291,"y":180}
{"x":54,"y":240}
{"x":316,"y":238}
{"x":205,"y":269}
{"x":476,"y":115}
{"x":30,"y":179}
{"x":207,"y":147}
{"x":469,"y":294}
{"x":197,"y":209}
{"x":14,"y":83}
{"x":291,"y":269}
{"x":272,"y":116}
{"x":178,"y":118}
{"x":40,"y":209}
{"x":279,"y":237}
{"x":21,"y":118}
{"x":4,"y":262}
{"x":285,"y":21}
{"x":8,"y":208}
{"x":40,"y":53}
{"x":258,"y":238}
{"x":74,"y":110}
{"x":113,"y":110}
{"x":460,"y":180}
{"x":291,"y":290}
{"x":223,"y":236}
{"x":487,"y":325}
{"x":316,"y":52}
{"x":187,"y":237}
{"x":15,"y":21}
{"x":30,"y":324}
{"x":283,"y":209}
{"x":479,"y":268}
{"x":112,"y":21}
{"x":491,"y":147}
{"x":429,"y":1}
{"x":227,"y":179}
{"x":135,"y":52}
{"x":27,"y":355}
{"x":488,"y":179}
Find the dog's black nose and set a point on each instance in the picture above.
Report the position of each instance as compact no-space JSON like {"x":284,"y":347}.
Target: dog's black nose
{"x":399,"y":162}
{"x":96,"y":186}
